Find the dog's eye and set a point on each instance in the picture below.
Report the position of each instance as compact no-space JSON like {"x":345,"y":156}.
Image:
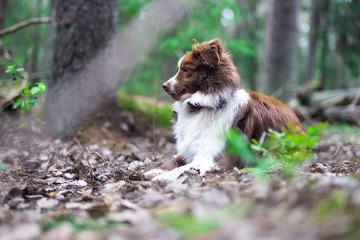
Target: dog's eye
{"x":186,"y":70}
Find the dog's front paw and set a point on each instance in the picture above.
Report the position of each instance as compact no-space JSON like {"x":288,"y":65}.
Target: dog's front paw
{"x":153,"y":173}
{"x":168,"y":176}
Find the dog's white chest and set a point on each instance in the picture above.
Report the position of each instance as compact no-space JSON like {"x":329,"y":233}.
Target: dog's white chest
{"x":201,"y":131}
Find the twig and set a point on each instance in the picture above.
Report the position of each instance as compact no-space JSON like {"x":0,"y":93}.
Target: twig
{"x":24,"y":24}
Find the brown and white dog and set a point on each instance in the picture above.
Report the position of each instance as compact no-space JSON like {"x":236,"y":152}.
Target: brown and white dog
{"x":208,"y":102}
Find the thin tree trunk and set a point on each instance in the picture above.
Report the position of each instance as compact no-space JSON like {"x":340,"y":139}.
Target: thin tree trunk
{"x":280,"y":49}
{"x":313,"y":39}
{"x":246,"y":30}
{"x":325,"y":44}
{"x":35,"y":35}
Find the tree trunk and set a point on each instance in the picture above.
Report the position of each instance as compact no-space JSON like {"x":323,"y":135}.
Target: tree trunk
{"x":80,"y":94}
{"x":2,"y":12}
{"x":280,"y":49}
{"x":324,"y":55}
{"x":246,"y":30}
{"x":313,"y":37}
{"x":83,"y":27}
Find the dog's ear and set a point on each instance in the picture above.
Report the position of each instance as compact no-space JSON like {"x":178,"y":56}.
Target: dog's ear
{"x":209,"y":53}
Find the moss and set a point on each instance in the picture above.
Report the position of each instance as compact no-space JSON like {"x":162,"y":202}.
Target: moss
{"x":147,"y":108}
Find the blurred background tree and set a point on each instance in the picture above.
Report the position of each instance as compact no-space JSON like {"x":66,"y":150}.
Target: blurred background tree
{"x":312,"y":42}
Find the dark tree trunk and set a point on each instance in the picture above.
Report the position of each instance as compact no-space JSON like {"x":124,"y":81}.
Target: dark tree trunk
{"x":2,"y":17}
{"x":2,"y":12}
{"x":83,"y":27}
{"x":280,"y":49}
{"x":313,"y":39}
{"x":80,"y":94}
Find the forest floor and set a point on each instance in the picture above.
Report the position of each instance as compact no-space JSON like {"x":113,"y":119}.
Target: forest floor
{"x":91,"y":186}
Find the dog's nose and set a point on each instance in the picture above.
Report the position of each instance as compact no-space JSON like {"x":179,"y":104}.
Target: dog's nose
{"x":166,"y":86}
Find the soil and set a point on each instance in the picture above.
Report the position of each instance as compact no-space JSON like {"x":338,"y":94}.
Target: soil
{"x":91,"y":186}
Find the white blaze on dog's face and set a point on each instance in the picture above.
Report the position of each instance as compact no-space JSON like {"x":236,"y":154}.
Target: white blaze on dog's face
{"x":203,"y":69}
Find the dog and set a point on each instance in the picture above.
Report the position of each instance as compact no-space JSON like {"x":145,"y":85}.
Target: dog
{"x":208,"y":103}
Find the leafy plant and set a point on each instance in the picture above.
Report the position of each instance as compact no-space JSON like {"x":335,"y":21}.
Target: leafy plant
{"x":14,"y":72}
{"x":27,"y":98}
{"x":283,"y":150}
{"x":186,"y":224}
{"x":79,"y":225}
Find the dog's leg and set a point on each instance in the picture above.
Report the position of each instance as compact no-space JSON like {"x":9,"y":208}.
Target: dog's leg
{"x":201,"y":163}
{"x":175,"y":162}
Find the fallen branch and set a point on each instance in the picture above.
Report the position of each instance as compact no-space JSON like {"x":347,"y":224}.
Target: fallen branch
{"x":24,"y":24}
{"x":349,"y":114}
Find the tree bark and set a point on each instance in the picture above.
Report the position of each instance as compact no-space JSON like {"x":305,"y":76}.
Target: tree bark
{"x":83,"y":27}
{"x":84,"y":92}
{"x":313,"y":40}
{"x":2,"y":12}
{"x":280,"y":49}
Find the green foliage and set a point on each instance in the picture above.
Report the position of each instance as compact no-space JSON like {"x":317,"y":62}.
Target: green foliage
{"x":79,"y":225}
{"x":27,"y":98}
{"x":129,"y":8}
{"x":345,"y":15}
{"x":149,"y":111}
{"x":205,"y":20}
{"x":186,"y":224}
{"x":14,"y":72}
{"x":284,"y":149}
{"x":22,"y":44}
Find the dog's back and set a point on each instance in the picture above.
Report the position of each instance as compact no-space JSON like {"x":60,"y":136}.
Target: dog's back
{"x":263,"y":113}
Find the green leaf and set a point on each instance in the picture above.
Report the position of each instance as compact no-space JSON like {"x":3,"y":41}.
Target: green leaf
{"x":26,"y":91}
{"x":35,"y":90}
{"x":9,"y":68}
{"x":16,"y":103}
{"x":41,"y":87}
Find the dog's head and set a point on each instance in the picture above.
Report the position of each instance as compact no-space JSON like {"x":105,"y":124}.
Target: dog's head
{"x":207,"y":68}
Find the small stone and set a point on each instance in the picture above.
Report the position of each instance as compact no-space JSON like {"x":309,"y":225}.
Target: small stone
{"x":93,"y":147}
{"x":106,"y":152}
{"x":136,"y":165}
{"x":43,"y":157}
{"x":147,"y":161}
{"x":69,"y":175}
{"x":81,"y":183}
{"x":57,"y":173}
{"x":47,"y":203}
